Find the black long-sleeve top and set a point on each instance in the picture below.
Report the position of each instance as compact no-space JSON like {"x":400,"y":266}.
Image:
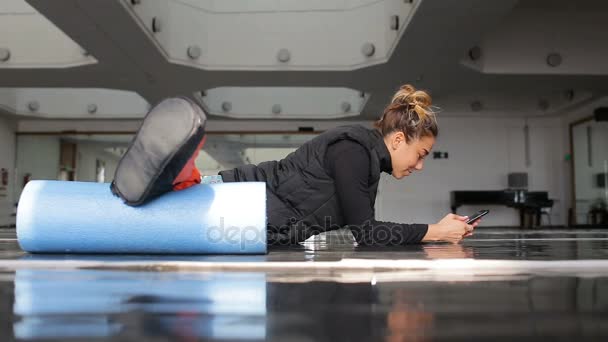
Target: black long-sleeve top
{"x":349,"y":165}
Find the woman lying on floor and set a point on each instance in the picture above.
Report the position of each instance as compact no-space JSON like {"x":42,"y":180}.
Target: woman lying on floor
{"x":328,"y":183}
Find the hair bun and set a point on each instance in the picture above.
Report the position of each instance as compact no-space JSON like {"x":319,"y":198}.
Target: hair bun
{"x":422,"y":113}
{"x":408,"y":95}
{"x":414,"y":100}
{"x":410,"y":112}
{"x":402,"y":96}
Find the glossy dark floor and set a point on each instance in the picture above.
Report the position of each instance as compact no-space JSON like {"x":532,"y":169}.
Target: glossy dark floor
{"x":500,"y":283}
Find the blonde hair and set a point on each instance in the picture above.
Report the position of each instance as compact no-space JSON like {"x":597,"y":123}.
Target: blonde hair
{"x":409,"y":112}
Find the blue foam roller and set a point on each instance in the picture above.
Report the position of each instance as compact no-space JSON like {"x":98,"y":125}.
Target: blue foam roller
{"x":91,"y":299}
{"x":85,"y":217}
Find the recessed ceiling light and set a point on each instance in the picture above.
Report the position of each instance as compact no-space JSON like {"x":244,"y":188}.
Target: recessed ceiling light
{"x":475,"y":53}
{"x":368,"y":49}
{"x":194,"y":51}
{"x":554,"y":59}
{"x":5,"y":54}
{"x":284,"y":56}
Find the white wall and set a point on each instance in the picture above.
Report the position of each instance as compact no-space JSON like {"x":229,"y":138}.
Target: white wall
{"x":482,"y":152}
{"x":582,"y":111}
{"x":37,"y":155}
{"x":7,"y":161}
{"x":587,"y":191}
{"x":261,"y":154}
{"x":206,"y":164}
{"x":86,"y":162}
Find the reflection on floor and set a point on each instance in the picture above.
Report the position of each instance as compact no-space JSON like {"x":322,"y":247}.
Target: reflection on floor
{"x":497,"y":284}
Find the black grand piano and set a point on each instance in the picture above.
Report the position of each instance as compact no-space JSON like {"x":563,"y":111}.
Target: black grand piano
{"x":527,"y":202}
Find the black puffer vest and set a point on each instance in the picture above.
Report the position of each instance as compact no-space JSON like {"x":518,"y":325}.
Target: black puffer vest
{"x":301,"y":195}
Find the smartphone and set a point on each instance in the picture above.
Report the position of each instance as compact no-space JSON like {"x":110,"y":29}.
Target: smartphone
{"x":477,"y":216}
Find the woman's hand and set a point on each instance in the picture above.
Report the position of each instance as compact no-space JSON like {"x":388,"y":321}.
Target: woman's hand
{"x":475,"y":224}
{"x":452,"y":228}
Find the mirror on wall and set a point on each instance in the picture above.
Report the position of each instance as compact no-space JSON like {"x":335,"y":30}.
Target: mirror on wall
{"x":590,"y":161}
{"x":94,"y":157}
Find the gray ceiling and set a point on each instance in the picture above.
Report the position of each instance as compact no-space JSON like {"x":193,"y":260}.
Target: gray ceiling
{"x":430,"y":55}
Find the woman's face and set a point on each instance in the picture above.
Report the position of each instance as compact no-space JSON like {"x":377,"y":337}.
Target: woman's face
{"x":406,"y":157}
